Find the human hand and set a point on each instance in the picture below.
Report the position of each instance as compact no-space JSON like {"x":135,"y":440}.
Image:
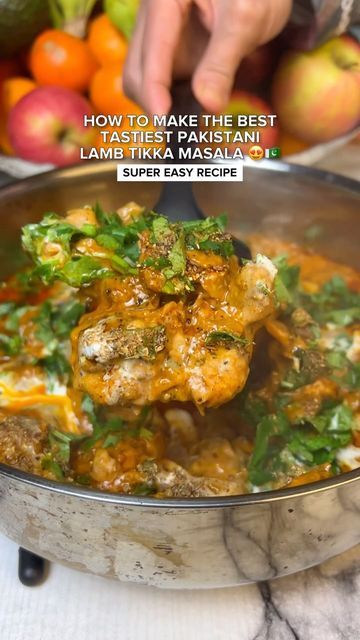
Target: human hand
{"x":202,"y":39}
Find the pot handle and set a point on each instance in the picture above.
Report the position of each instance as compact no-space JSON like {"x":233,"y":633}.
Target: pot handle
{"x":32,"y":569}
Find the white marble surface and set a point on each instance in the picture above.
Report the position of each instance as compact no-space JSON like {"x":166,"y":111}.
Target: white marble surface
{"x":317,"y":604}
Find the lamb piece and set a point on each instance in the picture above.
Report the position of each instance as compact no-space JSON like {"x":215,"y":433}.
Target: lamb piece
{"x":23,"y":442}
{"x":107,"y":341}
{"x":172,"y":314}
{"x":172,"y":481}
{"x":194,"y":348}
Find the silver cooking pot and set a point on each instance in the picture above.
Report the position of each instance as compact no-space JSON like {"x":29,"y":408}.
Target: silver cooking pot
{"x":189,"y":543}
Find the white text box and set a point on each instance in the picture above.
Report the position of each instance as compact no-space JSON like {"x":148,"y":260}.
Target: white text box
{"x":180,"y":172}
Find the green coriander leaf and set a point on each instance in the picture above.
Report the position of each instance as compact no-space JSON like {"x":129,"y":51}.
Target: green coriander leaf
{"x":56,"y":365}
{"x":143,"y":489}
{"x":66,"y":316}
{"x":272,"y":425}
{"x":161,"y":228}
{"x":177,"y":256}
{"x":50,"y":465}
{"x":89,"y":230}
{"x":6,"y":308}
{"x":82,"y":271}
{"x":343,"y":317}
{"x":225,"y":338}
{"x":11,"y":345}
{"x":107,"y":241}
{"x":145,"y":433}
{"x":112,"y":439}
{"x":84,"y":479}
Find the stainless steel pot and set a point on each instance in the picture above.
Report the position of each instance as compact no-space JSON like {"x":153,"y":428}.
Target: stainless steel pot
{"x":210,"y":542}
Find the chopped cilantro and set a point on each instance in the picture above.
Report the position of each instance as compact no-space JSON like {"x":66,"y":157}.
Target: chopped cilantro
{"x":334,"y":303}
{"x":66,"y":316}
{"x":80,"y":271}
{"x":177,"y":258}
{"x":56,"y":365}
{"x":286,"y":281}
{"x":53,"y":245}
{"x":50,"y":465}
{"x":101,"y":429}
{"x":84,"y":479}
{"x":352,"y":377}
{"x":208,"y":235}
{"x":161,"y":228}
{"x":343,"y":317}
{"x":311,"y":442}
{"x":6,"y":308}
{"x":11,"y":345}
{"x":269,"y":434}
{"x":311,"y":366}
{"x":253,"y":409}
{"x":89,"y":230}
{"x":54,"y":323}
{"x":112,"y":439}
{"x":143,"y":489}
{"x":112,"y":430}
{"x":107,"y":241}
{"x":58,"y":459}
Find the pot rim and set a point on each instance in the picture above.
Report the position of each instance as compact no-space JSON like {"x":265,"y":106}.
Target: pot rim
{"x":217,"y":502}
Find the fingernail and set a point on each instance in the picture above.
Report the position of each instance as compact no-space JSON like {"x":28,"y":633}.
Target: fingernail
{"x":210,"y":97}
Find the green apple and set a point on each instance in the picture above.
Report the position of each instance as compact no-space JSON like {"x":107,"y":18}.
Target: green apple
{"x":123,"y":14}
{"x":316,"y":94}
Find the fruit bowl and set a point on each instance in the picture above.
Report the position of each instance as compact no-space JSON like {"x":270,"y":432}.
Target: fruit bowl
{"x":314,"y":154}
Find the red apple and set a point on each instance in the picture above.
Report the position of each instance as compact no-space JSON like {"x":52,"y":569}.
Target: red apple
{"x":46,"y":125}
{"x":257,"y":67}
{"x":316,"y":94}
{"x":245,"y":103}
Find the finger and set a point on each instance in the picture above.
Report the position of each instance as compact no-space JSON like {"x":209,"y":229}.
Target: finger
{"x":234,"y":34}
{"x":164,"y":24}
{"x":132,"y":73}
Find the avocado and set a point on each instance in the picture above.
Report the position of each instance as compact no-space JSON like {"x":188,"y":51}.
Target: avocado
{"x":20,"y":22}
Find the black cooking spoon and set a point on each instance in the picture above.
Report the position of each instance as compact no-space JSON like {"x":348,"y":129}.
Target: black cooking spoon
{"x":177,"y":200}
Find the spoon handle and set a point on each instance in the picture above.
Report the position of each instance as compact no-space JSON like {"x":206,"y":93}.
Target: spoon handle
{"x":177,"y":199}
{"x":183,"y":104}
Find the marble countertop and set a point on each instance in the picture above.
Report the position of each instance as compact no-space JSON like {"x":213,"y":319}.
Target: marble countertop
{"x":317,"y":604}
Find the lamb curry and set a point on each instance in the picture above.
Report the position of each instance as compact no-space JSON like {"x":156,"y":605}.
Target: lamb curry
{"x":138,"y":356}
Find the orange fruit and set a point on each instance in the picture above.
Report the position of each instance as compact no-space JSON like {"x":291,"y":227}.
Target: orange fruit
{"x":11,"y":91}
{"x":107,"y":94}
{"x":60,"y":59}
{"x":106,"y":43}
{"x":290,"y":145}
{"x":5,"y":145}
